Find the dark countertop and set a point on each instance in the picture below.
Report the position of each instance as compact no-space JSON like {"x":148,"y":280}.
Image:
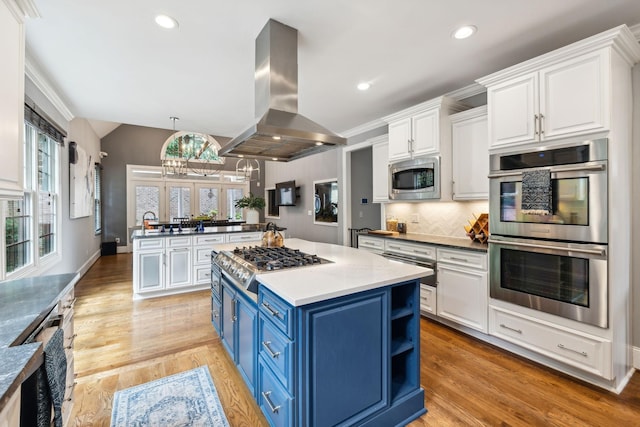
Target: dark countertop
{"x":24,"y":303}
{"x":452,"y":242}
{"x":244,"y":228}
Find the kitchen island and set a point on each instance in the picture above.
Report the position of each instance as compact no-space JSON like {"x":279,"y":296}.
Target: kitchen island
{"x":330,"y":344}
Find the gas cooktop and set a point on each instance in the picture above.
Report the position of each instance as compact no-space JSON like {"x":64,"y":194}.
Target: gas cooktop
{"x":242,"y":264}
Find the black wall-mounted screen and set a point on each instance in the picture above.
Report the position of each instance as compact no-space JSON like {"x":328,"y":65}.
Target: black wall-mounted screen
{"x":286,"y":193}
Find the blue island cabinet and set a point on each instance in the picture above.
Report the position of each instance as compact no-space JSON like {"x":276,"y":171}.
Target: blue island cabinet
{"x":348,"y":361}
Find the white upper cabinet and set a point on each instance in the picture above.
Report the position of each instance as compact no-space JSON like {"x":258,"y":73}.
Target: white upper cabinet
{"x":565,"y":93}
{"x":11,"y":100}
{"x":470,"y":144}
{"x":421,"y":130}
{"x":380,"y":169}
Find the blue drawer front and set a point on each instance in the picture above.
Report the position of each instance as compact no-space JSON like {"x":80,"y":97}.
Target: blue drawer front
{"x":276,"y":404}
{"x":277,"y":351}
{"x":278,"y":311}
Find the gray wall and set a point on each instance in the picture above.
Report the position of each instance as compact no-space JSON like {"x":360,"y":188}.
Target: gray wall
{"x":363,"y":215}
{"x":135,"y":145}
{"x":296,"y":219}
{"x":79,"y":244}
{"x":635,"y":207}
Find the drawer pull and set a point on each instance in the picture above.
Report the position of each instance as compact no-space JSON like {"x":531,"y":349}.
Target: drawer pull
{"x":459,"y":259}
{"x":215,"y":314}
{"x":273,"y":408}
{"x":267,"y":346}
{"x":71,"y":339}
{"x":273,"y":312}
{"x":519,"y":331}
{"x":70,"y":304}
{"x":581,"y":353}
{"x":398,"y":248}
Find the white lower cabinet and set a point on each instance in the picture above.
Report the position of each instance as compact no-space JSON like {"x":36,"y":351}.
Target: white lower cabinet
{"x":575,"y":348}
{"x":202,"y":257}
{"x":161,"y":264}
{"x":371,"y":244}
{"x":178,"y":255}
{"x":462,"y":291}
{"x":428,"y":299}
{"x":244,"y":237}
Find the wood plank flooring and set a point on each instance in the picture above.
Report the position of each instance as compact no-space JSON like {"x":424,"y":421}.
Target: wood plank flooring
{"x":122,"y":343}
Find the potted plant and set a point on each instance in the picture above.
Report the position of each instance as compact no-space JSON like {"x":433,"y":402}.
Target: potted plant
{"x":252,"y":204}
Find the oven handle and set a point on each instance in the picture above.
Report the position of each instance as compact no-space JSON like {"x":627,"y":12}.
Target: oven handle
{"x":599,"y":167}
{"x":600,"y":252}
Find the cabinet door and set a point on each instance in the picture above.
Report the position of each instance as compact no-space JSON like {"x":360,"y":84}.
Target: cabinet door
{"x":399,"y":139}
{"x":574,"y":96}
{"x":246,"y":351}
{"x":380,"y":178}
{"x":513,"y":106}
{"x":149,"y":271}
{"x":462,"y":296}
{"x":228,"y":320}
{"x":426,"y":133}
{"x":470,"y":159}
{"x":179,"y":268}
{"x":11,"y":102}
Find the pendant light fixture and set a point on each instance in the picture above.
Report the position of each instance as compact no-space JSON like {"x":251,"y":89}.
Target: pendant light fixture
{"x":249,"y":169}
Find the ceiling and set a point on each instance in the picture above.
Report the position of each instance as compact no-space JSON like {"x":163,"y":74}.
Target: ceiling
{"x":109,"y":62}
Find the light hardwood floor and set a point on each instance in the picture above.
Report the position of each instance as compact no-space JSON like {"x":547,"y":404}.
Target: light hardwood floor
{"x":122,"y":343}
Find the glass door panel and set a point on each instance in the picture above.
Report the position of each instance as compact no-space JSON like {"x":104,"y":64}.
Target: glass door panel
{"x":179,"y":198}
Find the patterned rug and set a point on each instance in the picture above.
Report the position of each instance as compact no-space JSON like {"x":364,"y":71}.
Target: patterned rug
{"x":185,"y":399}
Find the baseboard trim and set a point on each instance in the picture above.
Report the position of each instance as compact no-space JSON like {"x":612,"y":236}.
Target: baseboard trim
{"x":87,"y":265}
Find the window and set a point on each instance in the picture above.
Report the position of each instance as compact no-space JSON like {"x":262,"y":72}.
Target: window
{"x":31,"y":223}
{"x":97,"y":201}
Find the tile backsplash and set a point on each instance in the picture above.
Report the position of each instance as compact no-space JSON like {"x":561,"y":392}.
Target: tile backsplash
{"x":437,"y":218}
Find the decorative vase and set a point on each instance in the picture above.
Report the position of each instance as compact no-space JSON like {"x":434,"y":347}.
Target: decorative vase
{"x":253,"y":216}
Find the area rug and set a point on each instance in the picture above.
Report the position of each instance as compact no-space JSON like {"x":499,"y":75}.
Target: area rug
{"x":185,"y":399}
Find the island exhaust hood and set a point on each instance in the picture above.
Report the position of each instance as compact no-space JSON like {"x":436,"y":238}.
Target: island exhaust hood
{"x":280,"y":132}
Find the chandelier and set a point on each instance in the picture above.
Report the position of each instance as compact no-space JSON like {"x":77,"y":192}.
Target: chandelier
{"x":190,"y":152}
{"x":249,"y":169}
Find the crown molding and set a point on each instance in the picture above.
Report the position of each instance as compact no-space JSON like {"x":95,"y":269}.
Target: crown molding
{"x":467,"y":92}
{"x":635,"y":29}
{"x":23,"y":8}
{"x":366,"y":127}
{"x":38,"y":79}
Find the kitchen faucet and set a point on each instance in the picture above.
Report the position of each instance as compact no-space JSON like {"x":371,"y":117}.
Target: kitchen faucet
{"x":145,"y":220}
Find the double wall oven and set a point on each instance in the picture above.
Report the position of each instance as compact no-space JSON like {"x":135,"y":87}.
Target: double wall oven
{"x":552,"y":259}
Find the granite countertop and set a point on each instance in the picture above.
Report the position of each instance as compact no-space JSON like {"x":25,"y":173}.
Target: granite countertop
{"x":24,"y":303}
{"x":244,"y":228}
{"x":351,"y":271}
{"x":452,"y":242}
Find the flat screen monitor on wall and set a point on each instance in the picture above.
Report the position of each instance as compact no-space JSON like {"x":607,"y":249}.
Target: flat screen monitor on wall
{"x":286,"y":193}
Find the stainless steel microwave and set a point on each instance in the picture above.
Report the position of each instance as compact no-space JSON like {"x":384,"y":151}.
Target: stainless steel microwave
{"x":415,"y":179}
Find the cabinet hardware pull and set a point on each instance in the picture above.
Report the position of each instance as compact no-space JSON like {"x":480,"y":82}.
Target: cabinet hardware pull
{"x":395,"y":247}
{"x":541,"y":124}
{"x":273,"y":354}
{"x":215,"y":314}
{"x":581,"y":353}
{"x":600,"y":252}
{"x":459,"y":259}
{"x":233,"y":310}
{"x":271,"y":310}
{"x":273,"y":408}
{"x":71,"y":339}
{"x":70,"y":305}
{"x":519,"y":331}
{"x":536,"y":125}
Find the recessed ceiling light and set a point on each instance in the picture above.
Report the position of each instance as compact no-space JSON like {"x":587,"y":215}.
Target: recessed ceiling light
{"x":275,"y":159}
{"x":364,"y":86}
{"x":464,"y":32}
{"x":166,"y":21}
{"x":276,"y":137}
{"x":318,"y":143}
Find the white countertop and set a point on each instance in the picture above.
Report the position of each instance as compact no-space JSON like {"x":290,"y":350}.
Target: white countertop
{"x":352,"y":271}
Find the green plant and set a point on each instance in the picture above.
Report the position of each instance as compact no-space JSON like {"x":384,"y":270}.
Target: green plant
{"x":250,"y":201}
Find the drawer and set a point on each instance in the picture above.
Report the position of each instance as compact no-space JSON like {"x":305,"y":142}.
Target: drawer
{"x":179,"y":242}
{"x":208,"y":239}
{"x":368,"y":242}
{"x":471,"y":259}
{"x":202,"y":274}
{"x":66,"y":303}
{"x":574,"y":348}
{"x":70,"y":383}
{"x":202,"y":255}
{"x":276,"y":310}
{"x":410,"y":248}
{"x":147,"y":244}
{"x":69,"y":336}
{"x":276,"y":404}
{"x":428,"y":299}
{"x":244,"y":237}
{"x":277,"y":351}
{"x":216,"y":287}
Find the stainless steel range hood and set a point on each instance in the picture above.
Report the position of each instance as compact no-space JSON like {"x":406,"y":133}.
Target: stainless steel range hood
{"x":280,"y":132}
